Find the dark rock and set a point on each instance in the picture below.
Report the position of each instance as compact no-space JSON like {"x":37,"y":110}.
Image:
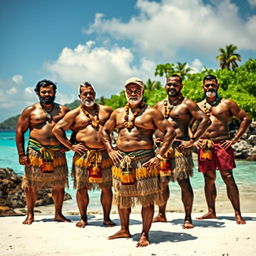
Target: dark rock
{"x":12,"y":196}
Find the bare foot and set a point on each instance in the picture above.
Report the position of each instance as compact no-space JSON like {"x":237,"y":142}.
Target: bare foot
{"x":29,"y":220}
{"x":109,"y":223}
{"x":61,"y":218}
{"x":143,"y":241}
{"x":81,"y":223}
{"x":120,"y":234}
{"x":208,"y":215}
{"x":240,"y":219}
{"x":159,"y":218}
{"x":187,"y":224}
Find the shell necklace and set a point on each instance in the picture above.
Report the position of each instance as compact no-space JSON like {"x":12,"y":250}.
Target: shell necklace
{"x":208,"y":109}
{"x":169,"y":106}
{"x":129,"y":124}
{"x":95,"y":123}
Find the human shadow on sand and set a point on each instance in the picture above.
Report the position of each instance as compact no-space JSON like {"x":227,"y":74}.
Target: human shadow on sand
{"x":201,"y":223}
{"x":158,"y":236}
{"x":232,"y":218}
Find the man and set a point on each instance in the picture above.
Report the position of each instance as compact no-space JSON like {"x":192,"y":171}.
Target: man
{"x":135,"y":174}
{"x":91,"y":163}
{"x":180,"y":112}
{"x":215,"y":146}
{"x":45,"y":161}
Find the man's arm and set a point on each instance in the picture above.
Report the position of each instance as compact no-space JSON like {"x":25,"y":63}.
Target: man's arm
{"x":243,"y":117}
{"x":22,"y":127}
{"x":59,"y":132}
{"x":107,"y":129}
{"x":201,"y":118}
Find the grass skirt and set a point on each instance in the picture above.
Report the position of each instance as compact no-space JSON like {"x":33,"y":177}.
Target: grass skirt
{"x":81,"y":170}
{"x":135,"y":184}
{"x":35,"y":178}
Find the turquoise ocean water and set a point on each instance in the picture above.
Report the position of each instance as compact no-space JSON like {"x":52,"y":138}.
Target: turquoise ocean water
{"x":245,"y":175}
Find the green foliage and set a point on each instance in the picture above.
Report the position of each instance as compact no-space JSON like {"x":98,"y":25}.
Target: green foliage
{"x":10,"y":123}
{"x":74,"y":104}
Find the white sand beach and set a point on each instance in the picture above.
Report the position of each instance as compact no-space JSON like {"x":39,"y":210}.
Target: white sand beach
{"x":220,"y":237}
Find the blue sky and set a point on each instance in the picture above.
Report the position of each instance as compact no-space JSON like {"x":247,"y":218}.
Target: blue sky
{"x":106,"y":42}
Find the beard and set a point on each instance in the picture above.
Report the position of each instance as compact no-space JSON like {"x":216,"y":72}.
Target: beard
{"x":134,"y":100}
{"x":173,"y":93}
{"x":48,"y":100}
{"x":211,"y":93}
{"x":88,"y":103}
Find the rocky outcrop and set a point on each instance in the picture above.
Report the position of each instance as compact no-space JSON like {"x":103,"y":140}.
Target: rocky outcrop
{"x":246,"y":147}
{"x":12,"y":196}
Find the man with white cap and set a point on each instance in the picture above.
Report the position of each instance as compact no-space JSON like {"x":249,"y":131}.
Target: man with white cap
{"x":135,"y":173}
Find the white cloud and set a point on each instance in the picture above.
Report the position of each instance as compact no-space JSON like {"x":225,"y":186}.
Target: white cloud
{"x":18,"y":79}
{"x":169,"y":26}
{"x":106,"y":69}
{"x":196,"y":65}
{"x":252,"y":3}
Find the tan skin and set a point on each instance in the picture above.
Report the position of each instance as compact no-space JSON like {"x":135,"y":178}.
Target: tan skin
{"x":180,"y":118}
{"x":137,"y":138}
{"x":86,"y":137}
{"x":221,"y":115}
{"x":35,"y":119}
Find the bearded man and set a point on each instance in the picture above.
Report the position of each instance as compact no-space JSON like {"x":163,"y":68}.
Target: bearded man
{"x":215,"y":147}
{"x":136,"y":173}
{"x":91,"y":163}
{"x":180,"y":112}
{"x":44,"y":161}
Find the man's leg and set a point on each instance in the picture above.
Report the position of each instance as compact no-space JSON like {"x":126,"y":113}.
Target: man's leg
{"x":233,"y":194}
{"x":58,"y":198}
{"x":161,"y":216}
{"x":210,"y":194}
{"x":124,"y":215}
{"x":106,"y":201}
{"x":147,"y":214}
{"x":82,"y":199}
{"x":187,"y":199}
{"x":31,"y":197}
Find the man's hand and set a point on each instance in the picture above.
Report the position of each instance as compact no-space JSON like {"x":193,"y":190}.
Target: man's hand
{"x":24,"y":160}
{"x":153,"y":163}
{"x":185,"y":144}
{"x":115,"y":156}
{"x":79,"y":148}
{"x":228,"y":143}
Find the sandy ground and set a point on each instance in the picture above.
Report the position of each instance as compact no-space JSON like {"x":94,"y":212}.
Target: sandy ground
{"x":220,"y":237}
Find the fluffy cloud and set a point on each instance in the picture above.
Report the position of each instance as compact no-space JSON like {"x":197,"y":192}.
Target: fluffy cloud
{"x":169,"y":26}
{"x":15,"y":96}
{"x":106,"y":68}
{"x":252,"y":3}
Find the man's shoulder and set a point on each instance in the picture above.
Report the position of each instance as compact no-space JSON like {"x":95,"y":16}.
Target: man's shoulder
{"x":105,"y":108}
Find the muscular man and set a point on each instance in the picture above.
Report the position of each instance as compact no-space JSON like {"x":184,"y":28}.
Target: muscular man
{"x":44,"y":160}
{"x":135,"y":174}
{"x":179,"y":111}
{"x":215,"y":146}
{"x":91,"y":163}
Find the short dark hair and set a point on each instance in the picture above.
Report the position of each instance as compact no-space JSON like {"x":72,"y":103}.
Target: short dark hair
{"x":210,"y":77}
{"x":85,"y":84}
{"x":175,"y":75}
{"x":45,"y":83}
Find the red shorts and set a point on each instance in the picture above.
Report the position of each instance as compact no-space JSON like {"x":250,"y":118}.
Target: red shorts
{"x":222,"y":159}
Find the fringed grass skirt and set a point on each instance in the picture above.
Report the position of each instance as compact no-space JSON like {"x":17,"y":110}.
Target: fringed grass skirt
{"x":81,"y":172}
{"x":180,"y":165}
{"x":135,"y":184}
{"x":35,"y":178}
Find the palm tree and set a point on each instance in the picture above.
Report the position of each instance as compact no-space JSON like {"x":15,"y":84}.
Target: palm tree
{"x":228,"y":57}
{"x":152,"y":85}
{"x":164,"y":69}
{"x":182,"y":69}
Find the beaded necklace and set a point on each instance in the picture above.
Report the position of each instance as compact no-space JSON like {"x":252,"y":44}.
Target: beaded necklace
{"x":130,"y":124}
{"x":168,"y":106}
{"x":95,"y":123}
{"x":208,"y":110}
